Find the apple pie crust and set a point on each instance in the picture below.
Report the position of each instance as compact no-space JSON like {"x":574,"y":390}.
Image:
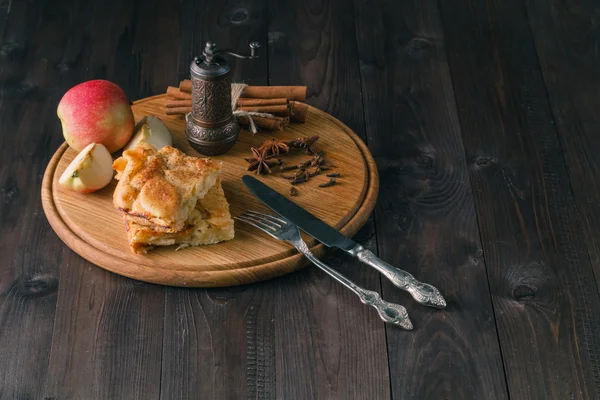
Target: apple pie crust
{"x":169,"y":198}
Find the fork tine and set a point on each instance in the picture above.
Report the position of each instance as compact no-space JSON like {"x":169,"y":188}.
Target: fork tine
{"x":260,"y":223}
{"x":271,"y":218}
{"x":265,"y":229}
{"x":272,"y":225}
{"x":263,"y":217}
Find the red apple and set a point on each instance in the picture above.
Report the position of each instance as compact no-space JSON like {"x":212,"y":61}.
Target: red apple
{"x":96,"y":111}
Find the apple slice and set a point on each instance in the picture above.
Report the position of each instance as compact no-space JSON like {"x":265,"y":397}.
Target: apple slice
{"x":91,"y":170}
{"x":150,"y":131}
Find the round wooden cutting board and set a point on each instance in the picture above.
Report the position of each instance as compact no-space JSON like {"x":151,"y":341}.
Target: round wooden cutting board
{"x":90,"y":225}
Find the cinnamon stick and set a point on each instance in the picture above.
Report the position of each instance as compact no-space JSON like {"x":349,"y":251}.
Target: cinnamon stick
{"x":280,"y":110}
{"x":185,"y":86}
{"x":297,"y":93}
{"x":276,"y":123}
{"x":179,"y":103}
{"x":178,"y":110}
{"x":300,"y":111}
{"x":246,"y":102}
{"x":175,"y":92}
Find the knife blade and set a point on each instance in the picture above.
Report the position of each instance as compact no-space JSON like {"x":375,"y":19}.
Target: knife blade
{"x":298,"y":216}
{"x":423,"y":293}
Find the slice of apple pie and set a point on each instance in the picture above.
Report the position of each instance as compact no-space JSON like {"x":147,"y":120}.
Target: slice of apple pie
{"x":169,"y":198}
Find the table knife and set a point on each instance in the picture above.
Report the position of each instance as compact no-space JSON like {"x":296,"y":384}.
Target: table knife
{"x":423,"y":293}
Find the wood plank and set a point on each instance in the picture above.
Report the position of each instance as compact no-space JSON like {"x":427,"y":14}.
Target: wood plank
{"x":314,"y":45}
{"x":567,"y":48}
{"x":545,"y":299}
{"x":31,"y":253}
{"x":108,"y":330}
{"x":325,"y":338}
{"x":425,"y":219}
{"x":231,"y":26}
{"x":328,"y":344}
{"x":219,"y":343}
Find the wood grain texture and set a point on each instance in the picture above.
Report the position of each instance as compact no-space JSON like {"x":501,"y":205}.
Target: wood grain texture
{"x":91,"y":226}
{"x":107,"y":340}
{"x":219,"y":343}
{"x":425,"y":217}
{"x":545,"y":299}
{"x":31,"y":254}
{"x":328,"y":345}
{"x":71,"y":330}
{"x":566,"y":39}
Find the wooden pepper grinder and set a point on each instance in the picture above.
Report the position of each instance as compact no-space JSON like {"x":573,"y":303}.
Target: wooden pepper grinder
{"x":211,"y":128}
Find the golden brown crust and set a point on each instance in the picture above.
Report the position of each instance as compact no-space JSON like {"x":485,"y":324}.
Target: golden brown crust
{"x":210,"y":222}
{"x":161,"y":188}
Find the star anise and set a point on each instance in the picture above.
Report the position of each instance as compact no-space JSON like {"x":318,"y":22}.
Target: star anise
{"x":261,"y":161}
{"x":304,"y":143}
{"x":274,"y":147}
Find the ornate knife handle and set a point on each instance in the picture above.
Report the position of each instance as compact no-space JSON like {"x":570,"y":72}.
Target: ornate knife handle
{"x":423,"y":293}
{"x":388,"y":312}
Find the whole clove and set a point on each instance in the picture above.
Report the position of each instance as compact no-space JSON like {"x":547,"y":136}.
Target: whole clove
{"x":316,"y":172}
{"x":293,"y":191}
{"x":331,"y":182}
{"x":305,"y":164}
{"x":300,"y":179}
{"x":289,"y":167}
{"x":297,"y":174}
{"x":300,"y":172}
{"x":334,"y":175}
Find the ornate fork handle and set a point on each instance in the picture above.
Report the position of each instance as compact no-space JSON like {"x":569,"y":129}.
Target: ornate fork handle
{"x":423,"y":293}
{"x":388,"y":312}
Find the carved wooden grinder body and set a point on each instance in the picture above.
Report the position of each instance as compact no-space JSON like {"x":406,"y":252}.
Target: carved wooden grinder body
{"x":211,"y":127}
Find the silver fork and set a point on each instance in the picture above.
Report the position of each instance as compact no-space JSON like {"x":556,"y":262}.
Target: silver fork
{"x":283,"y":229}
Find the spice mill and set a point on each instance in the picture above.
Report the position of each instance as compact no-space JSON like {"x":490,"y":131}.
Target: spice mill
{"x":211,"y":127}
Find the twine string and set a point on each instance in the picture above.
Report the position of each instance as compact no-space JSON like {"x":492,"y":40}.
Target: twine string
{"x":236,"y":92}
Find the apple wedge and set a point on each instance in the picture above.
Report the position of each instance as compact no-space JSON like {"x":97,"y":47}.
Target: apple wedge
{"x":91,"y":170}
{"x":150,"y":131}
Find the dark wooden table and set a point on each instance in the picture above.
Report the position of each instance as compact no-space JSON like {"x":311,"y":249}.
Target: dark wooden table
{"x":484,"y":119}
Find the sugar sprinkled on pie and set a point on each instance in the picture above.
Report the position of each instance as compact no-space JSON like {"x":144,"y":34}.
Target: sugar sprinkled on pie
{"x":168,"y":198}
